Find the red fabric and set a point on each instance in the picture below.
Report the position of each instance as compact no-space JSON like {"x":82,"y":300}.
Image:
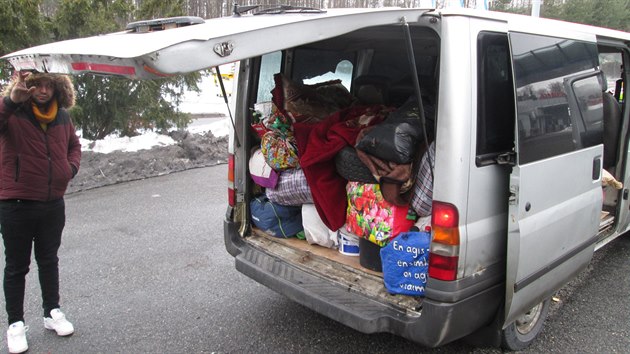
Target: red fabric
{"x":317,"y":146}
{"x":277,"y":94}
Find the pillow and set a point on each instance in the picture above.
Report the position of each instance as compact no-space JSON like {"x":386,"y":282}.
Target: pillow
{"x":309,"y":103}
{"x":335,"y":92}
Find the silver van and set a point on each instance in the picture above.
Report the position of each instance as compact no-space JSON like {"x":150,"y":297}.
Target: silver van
{"x":528,"y":120}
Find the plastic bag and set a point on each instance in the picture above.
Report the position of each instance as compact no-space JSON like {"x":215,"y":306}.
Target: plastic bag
{"x":397,"y":138}
{"x":291,"y":189}
{"x":406,"y":262}
{"x":371,"y":217}
{"x":280,"y":150}
{"x":315,"y":230}
{"x":394,"y":141}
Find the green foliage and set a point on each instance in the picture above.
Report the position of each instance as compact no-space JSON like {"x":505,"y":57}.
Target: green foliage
{"x":21,"y":26}
{"x":110,"y":104}
{"x":82,"y":18}
{"x":160,"y":8}
{"x":508,"y":6}
{"x":613,"y":14}
{"x":107,"y":104}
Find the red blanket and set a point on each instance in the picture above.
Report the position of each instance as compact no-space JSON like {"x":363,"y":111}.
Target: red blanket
{"x":317,"y":146}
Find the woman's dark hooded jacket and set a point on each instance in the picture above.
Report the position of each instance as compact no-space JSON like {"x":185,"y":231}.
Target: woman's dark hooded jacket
{"x":37,"y":164}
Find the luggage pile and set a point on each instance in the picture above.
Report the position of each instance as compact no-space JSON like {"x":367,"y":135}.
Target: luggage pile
{"x":347,"y":168}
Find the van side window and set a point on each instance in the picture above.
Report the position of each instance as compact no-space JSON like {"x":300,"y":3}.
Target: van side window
{"x":555,"y":80}
{"x":611,"y":61}
{"x":611,"y":64}
{"x":269,"y":65}
{"x":587,"y":92}
{"x":495,"y":115}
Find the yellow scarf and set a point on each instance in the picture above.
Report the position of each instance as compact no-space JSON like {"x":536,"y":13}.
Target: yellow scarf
{"x":47,"y":117}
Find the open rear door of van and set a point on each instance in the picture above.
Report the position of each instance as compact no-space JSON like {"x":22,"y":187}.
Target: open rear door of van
{"x":199,"y":45}
{"x":555,"y":185}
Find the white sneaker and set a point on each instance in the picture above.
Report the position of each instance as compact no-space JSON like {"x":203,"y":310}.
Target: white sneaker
{"x":57,"y":322}
{"x":16,"y":337}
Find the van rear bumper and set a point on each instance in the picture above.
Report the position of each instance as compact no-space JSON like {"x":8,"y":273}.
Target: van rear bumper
{"x":439,"y":323}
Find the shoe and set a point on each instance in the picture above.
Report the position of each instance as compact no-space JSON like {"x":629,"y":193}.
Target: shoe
{"x":57,"y":322}
{"x":16,"y":337}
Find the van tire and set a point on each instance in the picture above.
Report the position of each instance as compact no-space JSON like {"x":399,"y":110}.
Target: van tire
{"x":350,"y":167}
{"x":521,"y":333}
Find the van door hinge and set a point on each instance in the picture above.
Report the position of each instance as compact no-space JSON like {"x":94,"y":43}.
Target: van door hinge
{"x":224,"y":49}
{"x":506,"y":158}
{"x":513,"y":195}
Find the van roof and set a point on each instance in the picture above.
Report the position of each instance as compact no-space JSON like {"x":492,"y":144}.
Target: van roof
{"x":223,"y":40}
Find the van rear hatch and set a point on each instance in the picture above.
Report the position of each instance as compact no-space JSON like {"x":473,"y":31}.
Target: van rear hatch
{"x":151,"y":55}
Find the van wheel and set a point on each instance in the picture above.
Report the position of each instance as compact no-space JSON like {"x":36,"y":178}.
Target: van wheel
{"x":522,"y":332}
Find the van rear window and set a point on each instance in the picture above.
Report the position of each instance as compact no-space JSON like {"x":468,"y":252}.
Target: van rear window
{"x":269,"y":64}
{"x":312,"y":66}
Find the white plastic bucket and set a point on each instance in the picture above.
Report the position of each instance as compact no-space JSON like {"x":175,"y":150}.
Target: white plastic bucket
{"x":348,"y":244}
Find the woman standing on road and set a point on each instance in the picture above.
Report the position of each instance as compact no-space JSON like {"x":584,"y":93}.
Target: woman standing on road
{"x":39,"y":154}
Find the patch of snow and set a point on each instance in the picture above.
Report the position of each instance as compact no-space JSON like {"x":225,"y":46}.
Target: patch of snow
{"x":219,"y":127}
{"x":140,"y":142}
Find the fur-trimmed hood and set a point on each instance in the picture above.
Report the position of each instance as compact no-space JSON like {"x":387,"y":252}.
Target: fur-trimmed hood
{"x":64,"y":89}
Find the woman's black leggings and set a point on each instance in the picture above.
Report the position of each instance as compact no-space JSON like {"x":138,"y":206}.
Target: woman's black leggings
{"x":23,"y":224}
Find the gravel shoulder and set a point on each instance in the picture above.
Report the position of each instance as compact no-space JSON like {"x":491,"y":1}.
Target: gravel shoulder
{"x":190,"y":151}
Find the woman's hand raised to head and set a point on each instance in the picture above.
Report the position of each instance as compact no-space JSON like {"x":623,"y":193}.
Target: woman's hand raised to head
{"x":20,"y":93}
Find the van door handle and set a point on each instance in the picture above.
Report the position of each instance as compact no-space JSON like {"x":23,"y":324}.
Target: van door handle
{"x":597,"y":168}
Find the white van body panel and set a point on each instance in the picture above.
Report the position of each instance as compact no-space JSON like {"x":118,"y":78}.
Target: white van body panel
{"x":562,"y":219}
{"x":453,"y":136}
{"x":486,"y":212}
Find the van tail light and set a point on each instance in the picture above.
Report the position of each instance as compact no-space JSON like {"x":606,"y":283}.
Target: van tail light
{"x":444,"y":254}
{"x":442,"y":267}
{"x":231,"y":191}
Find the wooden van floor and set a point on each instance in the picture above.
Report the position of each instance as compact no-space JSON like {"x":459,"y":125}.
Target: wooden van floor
{"x":329,"y":263}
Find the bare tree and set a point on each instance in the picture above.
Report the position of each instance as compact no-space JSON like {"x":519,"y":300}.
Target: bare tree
{"x":49,"y":7}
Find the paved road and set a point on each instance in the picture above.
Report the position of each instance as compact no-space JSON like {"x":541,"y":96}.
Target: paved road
{"x":144,"y":269}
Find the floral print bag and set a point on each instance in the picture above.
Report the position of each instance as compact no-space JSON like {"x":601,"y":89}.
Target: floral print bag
{"x":371,"y":217}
